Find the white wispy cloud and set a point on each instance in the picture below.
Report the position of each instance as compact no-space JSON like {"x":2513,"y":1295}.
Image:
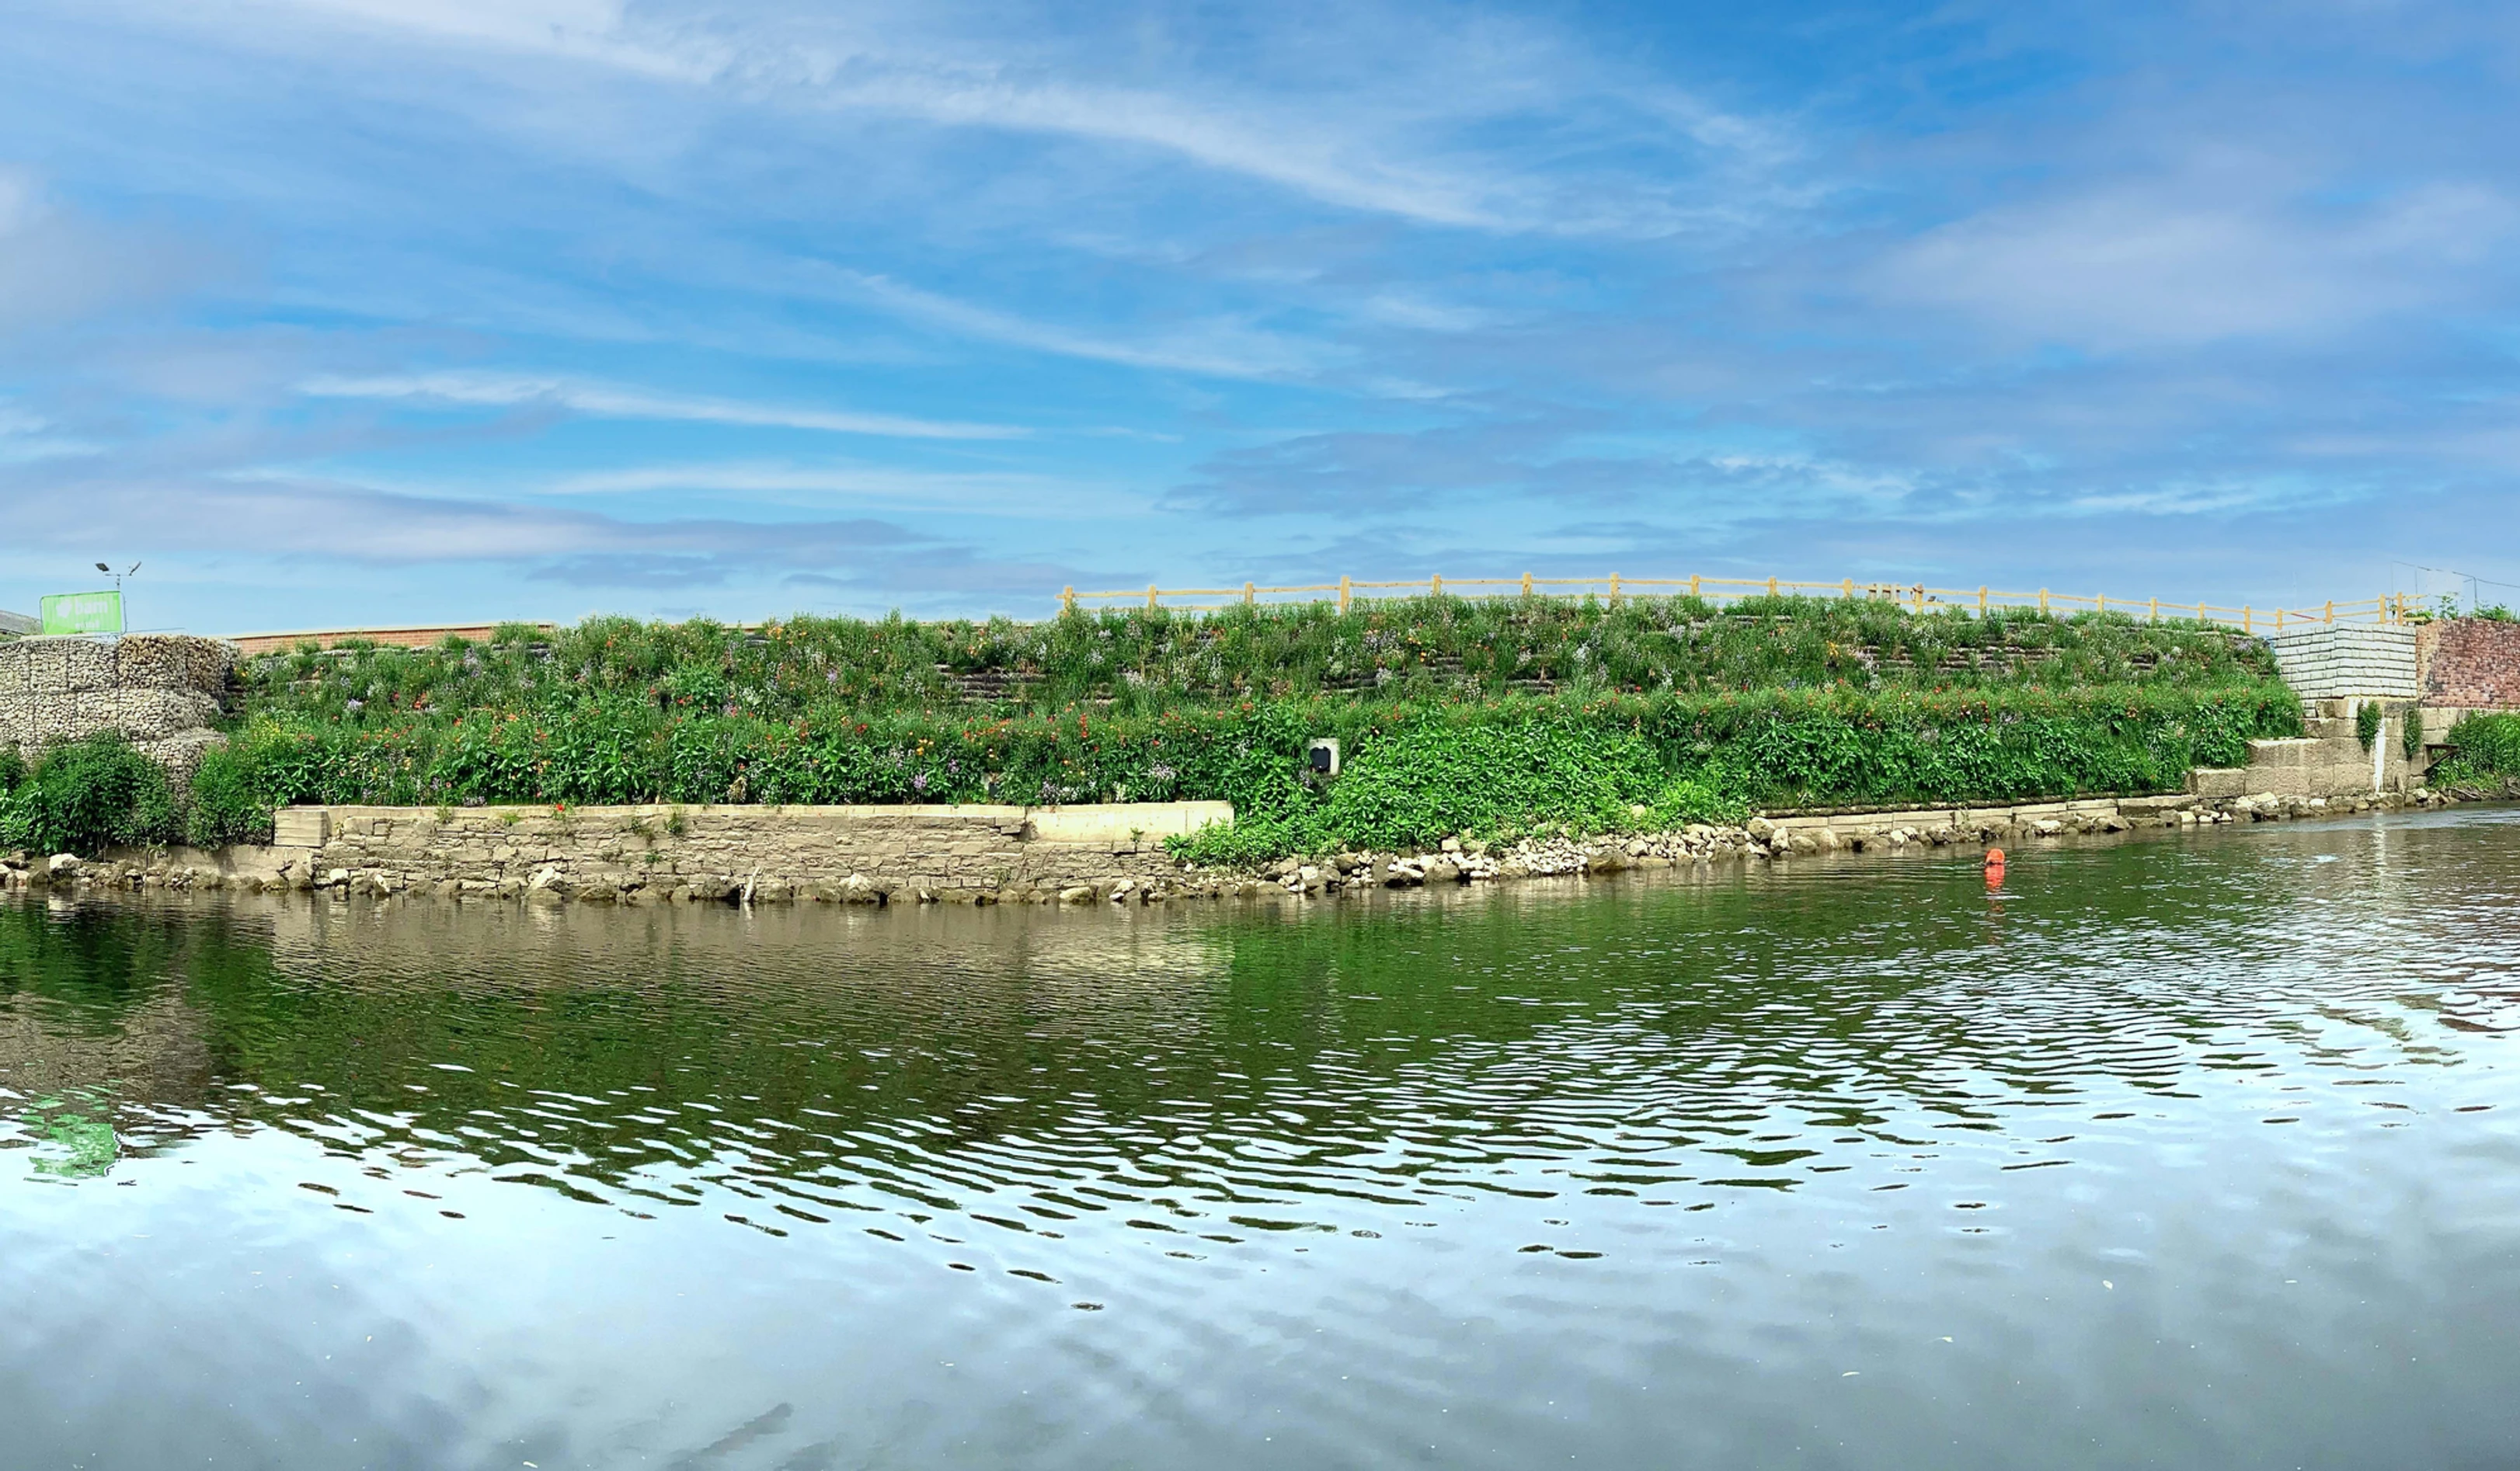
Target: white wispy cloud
{"x":1216,"y":347}
{"x":610,"y":401}
{"x":1004,"y":493}
{"x":2179,"y":261}
{"x":1399,"y":147}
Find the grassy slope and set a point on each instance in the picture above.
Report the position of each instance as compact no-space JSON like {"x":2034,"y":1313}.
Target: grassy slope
{"x":1457,"y":716}
{"x":1144,"y":661}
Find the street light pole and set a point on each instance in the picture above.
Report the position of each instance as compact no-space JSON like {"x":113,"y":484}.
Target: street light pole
{"x":118,"y":586}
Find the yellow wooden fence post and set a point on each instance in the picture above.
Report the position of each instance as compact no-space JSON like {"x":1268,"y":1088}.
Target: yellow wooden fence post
{"x":1772,"y":587}
{"x":1850,"y":587}
{"x":2156,"y":611}
{"x":1068,"y":598}
{"x":2332,"y":611}
{"x":2042,"y":600}
{"x":1614,"y":590}
{"x":1151,"y":594}
{"x":1981,"y":599}
{"x":2248,"y":620}
{"x":2104,"y":602}
{"x":1693,"y":584}
{"x":1436,"y":586}
{"x":1342,"y":592}
{"x":2278,"y":617}
{"x":1526,"y":584}
{"x":1920,"y":596}
{"x":1247,"y":594}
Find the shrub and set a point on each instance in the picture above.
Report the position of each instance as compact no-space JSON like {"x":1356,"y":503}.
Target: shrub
{"x":2366,"y":722}
{"x":2411,"y":738}
{"x":2485,"y":750}
{"x":1432,"y":779}
{"x":87,"y":796}
{"x":228,"y":804}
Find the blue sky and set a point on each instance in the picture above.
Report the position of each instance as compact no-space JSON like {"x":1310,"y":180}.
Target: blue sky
{"x":343,"y":312}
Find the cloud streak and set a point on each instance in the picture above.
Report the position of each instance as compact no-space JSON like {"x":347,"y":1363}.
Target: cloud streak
{"x":607,"y":401}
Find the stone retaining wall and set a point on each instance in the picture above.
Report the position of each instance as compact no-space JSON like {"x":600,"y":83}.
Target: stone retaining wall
{"x":710,"y":853}
{"x":163,"y":691}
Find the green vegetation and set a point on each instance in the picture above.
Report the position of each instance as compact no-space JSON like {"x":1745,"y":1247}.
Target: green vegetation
{"x":1144,"y":661}
{"x":80,"y":797}
{"x":1656,"y":762}
{"x":1492,"y":719}
{"x":2485,"y":753}
{"x":2368,"y":716}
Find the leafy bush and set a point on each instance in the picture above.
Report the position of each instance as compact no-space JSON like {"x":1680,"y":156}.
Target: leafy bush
{"x":1430,"y":779}
{"x":87,"y":796}
{"x":2411,"y":738}
{"x":1686,"y":800}
{"x":2366,"y":722}
{"x":2485,"y":750}
{"x":12,"y":770}
{"x":230,"y":802}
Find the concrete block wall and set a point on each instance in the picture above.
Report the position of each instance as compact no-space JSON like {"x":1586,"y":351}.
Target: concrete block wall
{"x":2329,"y":661}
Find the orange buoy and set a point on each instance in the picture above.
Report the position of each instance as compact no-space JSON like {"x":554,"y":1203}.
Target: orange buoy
{"x":1993,"y":868}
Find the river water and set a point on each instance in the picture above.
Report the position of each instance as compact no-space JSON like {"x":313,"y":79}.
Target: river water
{"x":2190,"y":1151}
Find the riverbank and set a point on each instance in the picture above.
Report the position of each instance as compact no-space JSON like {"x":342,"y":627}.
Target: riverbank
{"x":977,"y":854}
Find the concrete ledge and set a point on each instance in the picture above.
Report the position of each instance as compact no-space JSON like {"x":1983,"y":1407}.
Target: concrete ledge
{"x":1130,"y":821}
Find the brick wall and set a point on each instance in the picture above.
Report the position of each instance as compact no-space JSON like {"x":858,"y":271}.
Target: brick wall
{"x":424,"y":637}
{"x":2471,"y":663}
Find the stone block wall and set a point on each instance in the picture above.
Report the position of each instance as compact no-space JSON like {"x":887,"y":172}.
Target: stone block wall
{"x":163,"y":691}
{"x":2328,"y":660}
{"x":713,"y":853}
{"x":2469,"y":664}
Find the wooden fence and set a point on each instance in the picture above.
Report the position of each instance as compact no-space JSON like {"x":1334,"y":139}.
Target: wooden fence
{"x":1917,"y":596}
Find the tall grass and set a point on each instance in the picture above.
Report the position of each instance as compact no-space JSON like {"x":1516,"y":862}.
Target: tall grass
{"x":1144,"y":661}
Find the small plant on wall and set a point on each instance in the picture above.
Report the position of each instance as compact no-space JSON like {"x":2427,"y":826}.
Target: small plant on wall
{"x":2367,"y":723}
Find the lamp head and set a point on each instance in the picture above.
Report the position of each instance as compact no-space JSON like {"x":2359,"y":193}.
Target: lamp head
{"x":101,"y":567}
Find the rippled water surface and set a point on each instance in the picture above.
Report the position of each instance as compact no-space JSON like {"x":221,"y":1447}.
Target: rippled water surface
{"x":2188,"y":1152}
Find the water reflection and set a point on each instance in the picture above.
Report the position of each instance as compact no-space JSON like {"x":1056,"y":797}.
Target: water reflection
{"x":1686,"y":1152}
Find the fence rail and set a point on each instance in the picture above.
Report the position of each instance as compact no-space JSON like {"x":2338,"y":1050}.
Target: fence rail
{"x":2388,"y":609}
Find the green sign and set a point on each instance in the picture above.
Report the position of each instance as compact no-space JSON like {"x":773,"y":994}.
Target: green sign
{"x":83,"y":613}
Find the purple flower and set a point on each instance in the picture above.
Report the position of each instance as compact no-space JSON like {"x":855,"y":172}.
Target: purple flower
{"x":918,"y":784}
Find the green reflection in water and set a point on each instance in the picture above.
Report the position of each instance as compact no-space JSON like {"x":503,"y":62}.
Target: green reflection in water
{"x":72,"y":1135}
{"x":1744,"y":1017}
